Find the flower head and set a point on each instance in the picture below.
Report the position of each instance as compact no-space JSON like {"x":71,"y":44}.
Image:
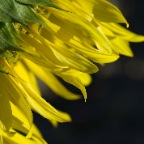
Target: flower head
{"x":51,"y":39}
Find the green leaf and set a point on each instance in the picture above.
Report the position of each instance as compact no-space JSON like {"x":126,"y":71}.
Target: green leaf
{"x":12,"y":11}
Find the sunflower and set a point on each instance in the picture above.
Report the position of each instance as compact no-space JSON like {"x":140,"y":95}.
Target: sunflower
{"x":51,"y":39}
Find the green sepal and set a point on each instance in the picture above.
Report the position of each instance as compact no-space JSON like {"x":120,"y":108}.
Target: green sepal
{"x":39,"y":2}
{"x":8,"y":38}
{"x":12,"y":11}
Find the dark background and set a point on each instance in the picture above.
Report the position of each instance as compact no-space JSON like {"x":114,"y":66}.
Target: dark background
{"x":114,"y":111}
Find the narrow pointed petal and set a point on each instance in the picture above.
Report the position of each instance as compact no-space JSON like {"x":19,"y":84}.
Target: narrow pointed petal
{"x":122,"y":47}
{"x":75,"y":82}
{"x":53,"y":83}
{"x":44,"y":108}
{"x":124,"y":33}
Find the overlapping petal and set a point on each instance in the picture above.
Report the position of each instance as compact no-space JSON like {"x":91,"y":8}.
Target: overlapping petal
{"x":51,"y":39}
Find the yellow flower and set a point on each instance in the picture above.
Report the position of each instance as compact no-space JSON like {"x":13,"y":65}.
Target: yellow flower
{"x":47,"y":39}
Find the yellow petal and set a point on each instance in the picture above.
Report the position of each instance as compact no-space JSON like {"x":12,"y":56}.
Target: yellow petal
{"x":44,"y":108}
{"x":67,"y":57}
{"x":53,"y":83}
{"x":122,"y":47}
{"x":74,"y":81}
{"x":73,"y":60}
{"x":16,"y":94}
{"x":5,"y":110}
{"x":84,"y":78}
{"x":24,"y":73}
{"x":107,"y":12}
{"x":14,"y":137}
{"x":87,"y":28}
{"x":38,"y":140}
{"x":20,"y":121}
{"x":1,"y":139}
{"x":124,"y":33}
{"x":83,"y":8}
{"x":92,"y":53}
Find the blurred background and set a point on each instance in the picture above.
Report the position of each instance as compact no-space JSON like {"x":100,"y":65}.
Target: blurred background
{"x":114,"y":111}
